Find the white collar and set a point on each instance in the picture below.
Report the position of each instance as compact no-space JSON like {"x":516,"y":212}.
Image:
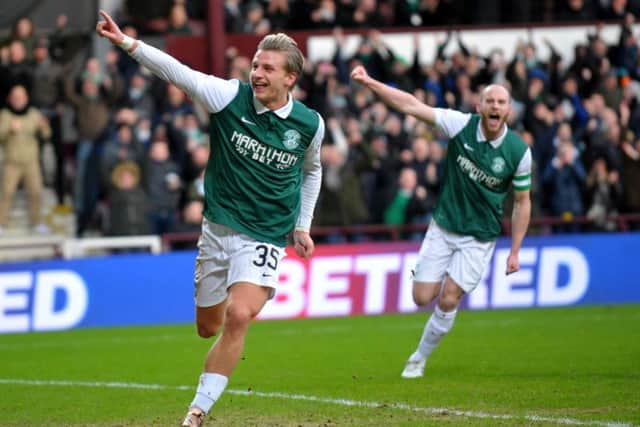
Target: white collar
{"x":495,"y":143}
{"x":282,"y":112}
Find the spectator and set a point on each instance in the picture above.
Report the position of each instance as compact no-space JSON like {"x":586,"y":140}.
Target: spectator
{"x":163,"y":184}
{"x":93,"y":110}
{"x":364,"y":14}
{"x":256,"y":21}
{"x":128,"y":202}
{"x":122,"y":147}
{"x":324,"y":15}
{"x":631,"y":175}
{"x":178,"y":20}
{"x":16,"y":71}
{"x":20,"y":127}
{"x":23,"y":31}
{"x":575,"y":11}
{"x":420,"y":148}
{"x":565,"y":177}
{"x":239,"y":68}
{"x":341,"y":201}
{"x":64,"y":43}
{"x":278,"y":13}
{"x":138,"y":96}
{"x":409,"y":203}
{"x":611,"y":10}
{"x":434,"y":13}
{"x":190,"y":218}
{"x":233,"y":17}
{"x":604,"y":192}
{"x":47,"y":96}
{"x":610,"y":90}
{"x":175,"y":104}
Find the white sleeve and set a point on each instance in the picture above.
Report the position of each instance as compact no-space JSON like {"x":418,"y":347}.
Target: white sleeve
{"x":311,"y":180}
{"x":522,"y":177}
{"x":451,"y":121}
{"x":215,"y":93}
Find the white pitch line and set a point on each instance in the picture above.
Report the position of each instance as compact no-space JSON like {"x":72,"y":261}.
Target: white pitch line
{"x":316,"y":399}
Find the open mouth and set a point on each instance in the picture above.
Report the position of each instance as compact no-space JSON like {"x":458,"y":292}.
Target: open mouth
{"x":494,"y":119}
{"x":258,"y":85}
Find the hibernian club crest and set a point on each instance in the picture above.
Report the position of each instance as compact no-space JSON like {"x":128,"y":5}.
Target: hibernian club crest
{"x":291,"y":139}
{"x":497,"y":165}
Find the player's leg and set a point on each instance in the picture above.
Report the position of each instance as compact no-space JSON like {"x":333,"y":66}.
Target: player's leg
{"x":209,"y":319}
{"x":210,"y":279}
{"x":244,"y":303}
{"x":468,"y":263}
{"x":208,"y":322}
{"x":440,"y":322}
{"x":425,"y":292}
{"x":433,"y":259}
{"x":253,"y":274}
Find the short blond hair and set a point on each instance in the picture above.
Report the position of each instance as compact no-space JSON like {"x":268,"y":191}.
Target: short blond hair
{"x":283,"y":43}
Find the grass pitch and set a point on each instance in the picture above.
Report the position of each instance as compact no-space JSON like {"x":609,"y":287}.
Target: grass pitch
{"x":539,"y":367}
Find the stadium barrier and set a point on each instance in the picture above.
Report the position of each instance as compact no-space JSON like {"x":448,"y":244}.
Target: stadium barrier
{"x":30,"y":247}
{"x":339,"y":280}
{"x":46,"y":247}
{"x":624,"y":223}
{"x":78,"y":248}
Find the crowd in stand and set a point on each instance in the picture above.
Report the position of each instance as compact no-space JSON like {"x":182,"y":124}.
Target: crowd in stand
{"x":260,"y":16}
{"x":130,"y":150}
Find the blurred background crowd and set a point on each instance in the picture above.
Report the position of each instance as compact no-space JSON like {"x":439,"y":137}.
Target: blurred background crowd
{"x":123,"y":153}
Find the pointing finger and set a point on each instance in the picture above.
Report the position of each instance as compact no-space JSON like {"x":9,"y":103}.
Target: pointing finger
{"x":106,"y":17}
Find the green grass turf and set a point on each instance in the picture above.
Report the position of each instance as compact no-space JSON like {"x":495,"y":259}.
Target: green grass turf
{"x":581,"y":364}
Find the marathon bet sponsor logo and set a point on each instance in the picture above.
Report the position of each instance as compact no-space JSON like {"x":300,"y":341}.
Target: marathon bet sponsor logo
{"x":256,"y":150}
{"x":477,"y":174}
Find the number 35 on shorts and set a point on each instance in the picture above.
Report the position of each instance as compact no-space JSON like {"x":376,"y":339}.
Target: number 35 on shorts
{"x":266,"y":260}
{"x":267,"y":255}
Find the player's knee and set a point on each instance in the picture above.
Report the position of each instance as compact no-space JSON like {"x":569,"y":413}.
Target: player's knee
{"x":207,"y":330}
{"x":448,"y":302}
{"x":421,"y":299}
{"x":424,"y":293}
{"x":237,"y":317}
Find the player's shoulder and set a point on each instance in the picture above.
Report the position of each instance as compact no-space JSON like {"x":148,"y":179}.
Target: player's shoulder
{"x":243,"y":87}
{"x":307,"y":113}
{"x":516,"y":140}
{"x":303,"y":108}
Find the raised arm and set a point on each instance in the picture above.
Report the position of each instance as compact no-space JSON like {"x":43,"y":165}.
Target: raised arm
{"x":397,"y":99}
{"x":215,"y":93}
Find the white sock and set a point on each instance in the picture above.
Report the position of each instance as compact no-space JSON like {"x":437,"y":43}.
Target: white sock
{"x":437,"y":327}
{"x":209,"y":390}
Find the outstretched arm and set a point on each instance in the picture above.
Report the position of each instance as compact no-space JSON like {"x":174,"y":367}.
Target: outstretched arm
{"x":213,"y":92}
{"x":111,"y":31}
{"x":397,"y":99}
{"x":520,"y":223}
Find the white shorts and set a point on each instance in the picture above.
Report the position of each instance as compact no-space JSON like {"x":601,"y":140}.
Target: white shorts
{"x":226,"y":257}
{"x":463,"y":258}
